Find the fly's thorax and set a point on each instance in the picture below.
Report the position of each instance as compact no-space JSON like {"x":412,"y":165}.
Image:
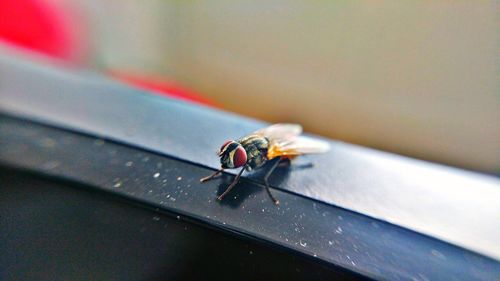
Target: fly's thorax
{"x":256,"y":148}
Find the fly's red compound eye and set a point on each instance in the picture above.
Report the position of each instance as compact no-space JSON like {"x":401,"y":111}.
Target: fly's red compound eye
{"x":239,"y":157}
{"x":224,"y":145}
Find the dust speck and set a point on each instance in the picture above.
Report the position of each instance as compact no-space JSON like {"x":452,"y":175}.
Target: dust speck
{"x":438,"y":254}
{"x":99,"y":142}
{"x":51,"y":165}
{"x":423,"y":277}
{"x":48,"y":142}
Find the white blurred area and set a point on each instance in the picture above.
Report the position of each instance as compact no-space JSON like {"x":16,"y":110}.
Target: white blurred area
{"x":419,"y":78}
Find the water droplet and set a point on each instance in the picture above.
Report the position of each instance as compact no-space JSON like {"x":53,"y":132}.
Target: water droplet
{"x":263,"y":210}
{"x":302,"y":243}
{"x":156,"y":218}
{"x":118,"y":184}
{"x":314,"y":255}
{"x":178,"y":217}
{"x":179,"y":178}
{"x":330,"y":243}
{"x":251,"y":253}
{"x":129,"y":163}
{"x":156,"y":175}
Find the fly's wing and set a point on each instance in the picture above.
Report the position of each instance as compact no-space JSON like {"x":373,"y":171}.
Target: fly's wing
{"x":297,"y":146}
{"x":280,"y":132}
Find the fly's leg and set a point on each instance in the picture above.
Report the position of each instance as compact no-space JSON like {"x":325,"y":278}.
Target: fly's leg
{"x":212,"y":175}
{"x":266,"y":177}
{"x":235,"y":181}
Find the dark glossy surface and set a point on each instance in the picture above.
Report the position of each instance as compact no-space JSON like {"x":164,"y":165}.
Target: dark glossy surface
{"x":323,"y":232}
{"x":58,"y":231}
{"x":454,"y":205}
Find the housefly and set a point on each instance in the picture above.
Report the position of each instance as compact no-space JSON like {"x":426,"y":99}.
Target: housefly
{"x":253,"y":151}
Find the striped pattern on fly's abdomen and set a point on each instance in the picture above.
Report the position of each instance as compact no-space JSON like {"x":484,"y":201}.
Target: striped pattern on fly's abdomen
{"x":256,"y":147}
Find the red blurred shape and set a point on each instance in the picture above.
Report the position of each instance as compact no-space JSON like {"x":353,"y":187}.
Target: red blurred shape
{"x":38,"y":25}
{"x":163,"y":88}
{"x":45,"y":27}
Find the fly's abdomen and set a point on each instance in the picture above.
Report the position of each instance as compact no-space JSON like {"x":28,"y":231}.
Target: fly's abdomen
{"x":256,"y":148}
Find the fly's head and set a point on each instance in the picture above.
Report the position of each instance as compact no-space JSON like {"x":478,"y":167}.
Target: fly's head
{"x":232,"y":155}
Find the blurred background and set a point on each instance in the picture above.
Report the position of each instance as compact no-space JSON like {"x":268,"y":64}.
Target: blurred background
{"x":418,"y":78}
